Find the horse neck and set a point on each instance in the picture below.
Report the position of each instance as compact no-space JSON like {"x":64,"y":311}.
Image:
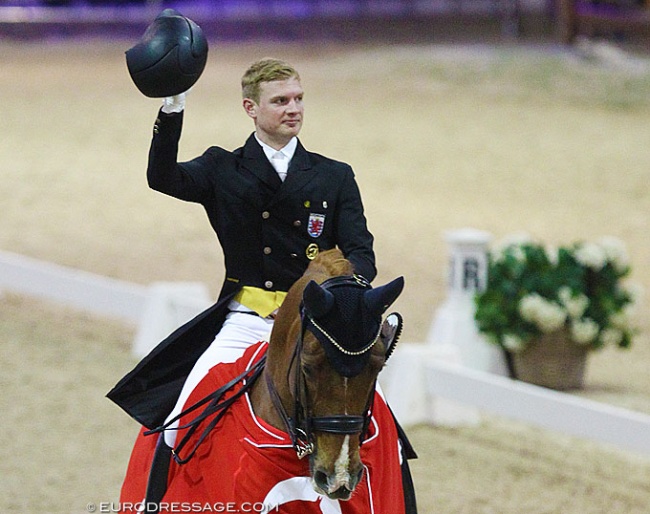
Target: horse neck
{"x":284,"y":336}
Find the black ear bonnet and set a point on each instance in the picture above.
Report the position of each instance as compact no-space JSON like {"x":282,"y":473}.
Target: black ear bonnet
{"x":345,"y":314}
{"x":170,"y":56}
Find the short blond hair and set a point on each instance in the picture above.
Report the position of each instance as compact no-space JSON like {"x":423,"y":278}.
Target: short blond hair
{"x":265,"y":70}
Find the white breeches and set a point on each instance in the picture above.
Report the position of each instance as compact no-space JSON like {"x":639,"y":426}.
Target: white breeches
{"x":239,"y":331}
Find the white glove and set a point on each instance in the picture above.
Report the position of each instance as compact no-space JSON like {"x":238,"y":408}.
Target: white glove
{"x":174,"y":103}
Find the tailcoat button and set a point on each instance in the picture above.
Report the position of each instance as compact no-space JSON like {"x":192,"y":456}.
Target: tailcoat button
{"x":297,"y":223}
{"x":267,"y":250}
{"x":266,"y":215}
{"x":268,"y":284}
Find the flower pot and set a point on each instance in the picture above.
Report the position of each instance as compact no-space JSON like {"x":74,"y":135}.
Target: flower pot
{"x":553,"y":361}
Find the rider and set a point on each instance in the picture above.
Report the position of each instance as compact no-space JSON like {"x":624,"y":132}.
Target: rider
{"x":273,"y":205}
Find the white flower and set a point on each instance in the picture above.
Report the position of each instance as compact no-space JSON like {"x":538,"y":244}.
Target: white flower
{"x":513,"y":343}
{"x":551,"y":318}
{"x":591,"y":255}
{"x":584,"y":331}
{"x":547,"y":315}
{"x":611,"y":336}
{"x":553,"y":255}
{"x":615,"y":252}
{"x":636,"y":293}
{"x":529,"y":306}
{"x":564,"y":294}
{"x":576,"y":305}
{"x":518,"y":253}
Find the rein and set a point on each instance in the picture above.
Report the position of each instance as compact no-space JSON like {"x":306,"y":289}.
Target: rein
{"x":300,"y":427}
{"x":217,"y":406}
{"x":302,"y":424}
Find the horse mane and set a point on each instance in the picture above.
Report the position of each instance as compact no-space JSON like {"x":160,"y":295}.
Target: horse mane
{"x":327,"y":264}
{"x":330,"y":263}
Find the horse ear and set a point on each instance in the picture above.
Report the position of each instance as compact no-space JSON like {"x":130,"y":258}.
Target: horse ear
{"x":318,"y":301}
{"x":379,"y":299}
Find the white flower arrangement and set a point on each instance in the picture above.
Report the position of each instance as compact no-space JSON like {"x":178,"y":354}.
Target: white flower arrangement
{"x":533,"y":290}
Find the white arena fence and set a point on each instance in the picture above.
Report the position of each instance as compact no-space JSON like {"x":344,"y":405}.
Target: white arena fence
{"x":156,"y":310}
{"x":424,"y":383}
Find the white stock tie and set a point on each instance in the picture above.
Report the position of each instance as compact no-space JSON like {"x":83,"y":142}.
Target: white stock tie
{"x":281,"y":164}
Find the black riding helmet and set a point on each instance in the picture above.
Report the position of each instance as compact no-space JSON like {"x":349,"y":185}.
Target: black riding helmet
{"x":170,"y":56}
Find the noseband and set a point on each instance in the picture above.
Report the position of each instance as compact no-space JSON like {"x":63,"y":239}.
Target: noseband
{"x":302,"y":424}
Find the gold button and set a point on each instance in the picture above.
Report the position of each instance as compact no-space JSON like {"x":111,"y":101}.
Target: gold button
{"x":267,"y":250}
{"x":266,"y":215}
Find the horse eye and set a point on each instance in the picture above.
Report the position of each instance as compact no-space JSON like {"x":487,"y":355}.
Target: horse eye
{"x":307,"y":369}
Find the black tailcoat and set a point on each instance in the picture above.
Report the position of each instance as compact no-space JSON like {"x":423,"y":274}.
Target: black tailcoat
{"x":267,"y":230}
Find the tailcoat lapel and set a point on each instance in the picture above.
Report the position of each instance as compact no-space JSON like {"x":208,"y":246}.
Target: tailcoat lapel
{"x":300,"y":172}
{"x":256,"y":163}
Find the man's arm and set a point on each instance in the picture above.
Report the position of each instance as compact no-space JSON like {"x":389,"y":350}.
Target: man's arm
{"x":186,"y":181}
{"x":353,"y":237}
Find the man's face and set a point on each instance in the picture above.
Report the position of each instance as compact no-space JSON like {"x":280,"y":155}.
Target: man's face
{"x":278,"y":115}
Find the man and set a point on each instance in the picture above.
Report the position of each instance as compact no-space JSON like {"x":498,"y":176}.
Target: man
{"x":273,"y":206}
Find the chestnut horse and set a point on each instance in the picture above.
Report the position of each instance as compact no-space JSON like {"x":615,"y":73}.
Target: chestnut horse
{"x":311,"y":435}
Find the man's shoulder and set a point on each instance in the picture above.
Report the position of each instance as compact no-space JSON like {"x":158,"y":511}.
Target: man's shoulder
{"x":320,"y":160}
{"x":220,"y":153}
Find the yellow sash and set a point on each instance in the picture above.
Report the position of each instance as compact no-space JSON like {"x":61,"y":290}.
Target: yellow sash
{"x":261,"y":301}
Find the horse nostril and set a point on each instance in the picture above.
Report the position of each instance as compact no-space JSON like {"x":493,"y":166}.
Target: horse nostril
{"x":356,"y":478}
{"x":320,"y":478}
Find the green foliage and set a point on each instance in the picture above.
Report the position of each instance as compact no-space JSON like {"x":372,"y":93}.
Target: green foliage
{"x":531,"y":290}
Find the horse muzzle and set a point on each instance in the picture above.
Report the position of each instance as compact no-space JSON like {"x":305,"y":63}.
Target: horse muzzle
{"x":336,"y":486}
{"x":337,"y":478}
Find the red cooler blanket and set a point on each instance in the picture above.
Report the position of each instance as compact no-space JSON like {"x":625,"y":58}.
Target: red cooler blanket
{"x":246,"y":465}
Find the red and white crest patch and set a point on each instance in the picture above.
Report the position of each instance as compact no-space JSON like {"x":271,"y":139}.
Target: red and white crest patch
{"x":315,"y":224}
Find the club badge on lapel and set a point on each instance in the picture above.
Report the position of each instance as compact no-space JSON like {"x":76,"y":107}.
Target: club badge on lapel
{"x":315,"y":224}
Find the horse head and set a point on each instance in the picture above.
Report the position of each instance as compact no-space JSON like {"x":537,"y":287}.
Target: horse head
{"x":342,"y":354}
{"x":327,"y":347}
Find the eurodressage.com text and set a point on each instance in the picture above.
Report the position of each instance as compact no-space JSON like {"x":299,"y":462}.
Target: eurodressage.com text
{"x":181,"y":507}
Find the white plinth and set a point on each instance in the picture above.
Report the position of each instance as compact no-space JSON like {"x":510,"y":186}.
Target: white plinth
{"x":454,"y":325}
{"x":404,"y":383}
{"x":168,"y":306}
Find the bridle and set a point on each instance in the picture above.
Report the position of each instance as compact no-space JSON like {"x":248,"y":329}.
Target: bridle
{"x":303,"y":423}
{"x":301,"y":426}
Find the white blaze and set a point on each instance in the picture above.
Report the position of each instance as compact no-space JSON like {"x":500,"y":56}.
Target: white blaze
{"x":341,"y":466}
